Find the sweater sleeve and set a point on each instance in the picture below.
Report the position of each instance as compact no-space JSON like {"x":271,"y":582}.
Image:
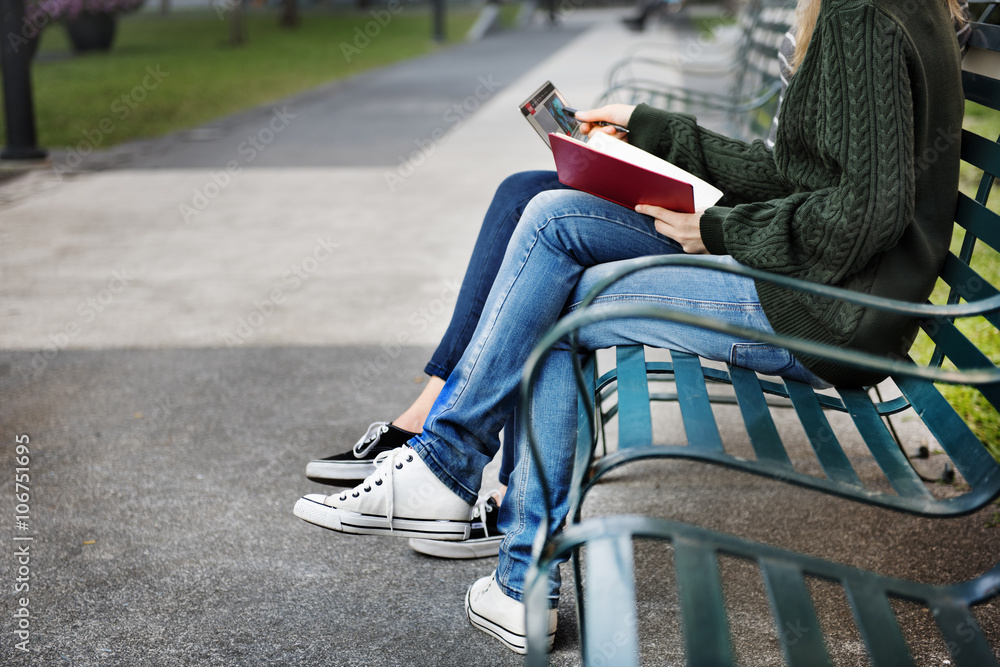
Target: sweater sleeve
{"x":745,"y":172}
{"x":854,"y":198}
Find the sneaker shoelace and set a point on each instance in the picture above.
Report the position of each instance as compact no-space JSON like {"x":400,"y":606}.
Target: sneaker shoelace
{"x":370,"y":438}
{"x":387,"y":463}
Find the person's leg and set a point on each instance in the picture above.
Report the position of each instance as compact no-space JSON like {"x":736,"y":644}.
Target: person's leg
{"x":513,"y":194}
{"x":560,"y":233}
{"x":412,"y":418}
{"x":697,"y":291}
{"x":499,"y":222}
{"x":501,"y":218}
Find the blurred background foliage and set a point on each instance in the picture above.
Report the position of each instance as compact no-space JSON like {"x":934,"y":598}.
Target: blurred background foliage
{"x":202,"y":77}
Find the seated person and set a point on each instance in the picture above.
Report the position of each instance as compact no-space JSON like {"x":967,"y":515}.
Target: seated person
{"x":838,"y":201}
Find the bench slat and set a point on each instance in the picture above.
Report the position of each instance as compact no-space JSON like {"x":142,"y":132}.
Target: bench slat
{"x":877,"y":623}
{"x":706,"y":629}
{"x":962,"y":634}
{"x":985,"y":36}
{"x":980,"y":89}
{"x":981,"y":152}
{"x":968,"y":284}
{"x":634,"y":417}
{"x":794,"y":614}
{"x":979,"y":220}
{"x":965,"y":355}
{"x":610,"y":603}
{"x":956,"y":346}
{"x":696,"y":408}
{"x":883,"y":446}
{"x":821,"y":436}
{"x":757,"y":418}
{"x":966,"y":452}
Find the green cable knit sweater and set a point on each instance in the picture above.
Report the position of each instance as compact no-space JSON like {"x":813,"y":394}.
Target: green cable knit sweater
{"x":859,"y":190}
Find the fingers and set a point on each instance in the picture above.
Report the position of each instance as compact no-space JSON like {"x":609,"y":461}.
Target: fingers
{"x":685,"y":228}
{"x":656,"y":211}
{"x":589,"y":129}
{"x":618,"y":114}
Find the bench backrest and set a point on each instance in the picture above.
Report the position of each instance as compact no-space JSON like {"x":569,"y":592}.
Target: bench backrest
{"x":972,"y":271}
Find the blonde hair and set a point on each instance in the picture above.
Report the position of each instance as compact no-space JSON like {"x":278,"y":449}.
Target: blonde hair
{"x":807,"y":12}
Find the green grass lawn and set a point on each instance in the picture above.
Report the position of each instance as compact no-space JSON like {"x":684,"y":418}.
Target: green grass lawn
{"x":201,"y":77}
{"x":977,"y":412}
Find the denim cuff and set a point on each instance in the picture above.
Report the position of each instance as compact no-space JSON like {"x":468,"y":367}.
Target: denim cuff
{"x":426,"y":452}
{"x":553,"y":598}
{"x":436,"y":371}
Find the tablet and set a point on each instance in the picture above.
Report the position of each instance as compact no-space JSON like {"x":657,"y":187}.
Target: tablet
{"x":546,"y":111}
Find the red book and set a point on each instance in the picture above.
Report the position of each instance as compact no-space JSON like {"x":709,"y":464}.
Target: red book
{"x":619,"y":172}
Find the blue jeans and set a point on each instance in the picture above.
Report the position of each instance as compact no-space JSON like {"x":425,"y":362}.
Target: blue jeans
{"x":560,"y":247}
{"x":498,"y":225}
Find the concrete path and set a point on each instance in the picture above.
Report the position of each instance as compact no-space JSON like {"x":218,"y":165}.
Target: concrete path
{"x":181,"y":334}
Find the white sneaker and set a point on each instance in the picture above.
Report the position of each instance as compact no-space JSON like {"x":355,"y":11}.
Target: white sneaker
{"x":490,"y":610}
{"x":402,"y":498}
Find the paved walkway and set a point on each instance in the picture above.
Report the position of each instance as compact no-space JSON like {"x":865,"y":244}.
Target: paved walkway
{"x":180,"y":334}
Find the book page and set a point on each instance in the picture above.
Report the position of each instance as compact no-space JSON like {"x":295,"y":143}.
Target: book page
{"x":705,"y":194}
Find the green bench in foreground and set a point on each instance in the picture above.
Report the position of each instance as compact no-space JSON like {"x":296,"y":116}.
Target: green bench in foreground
{"x":606,"y":608}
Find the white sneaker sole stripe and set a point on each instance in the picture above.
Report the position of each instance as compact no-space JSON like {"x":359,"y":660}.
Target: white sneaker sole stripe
{"x":514,"y":641}
{"x":511,"y":640}
{"x":360,"y":524}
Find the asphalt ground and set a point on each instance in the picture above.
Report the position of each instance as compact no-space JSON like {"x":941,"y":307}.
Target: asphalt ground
{"x":170,"y":375}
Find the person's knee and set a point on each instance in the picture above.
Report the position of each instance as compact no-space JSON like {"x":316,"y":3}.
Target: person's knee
{"x":510,"y":198}
{"x":524,"y":183}
{"x":554,"y":211}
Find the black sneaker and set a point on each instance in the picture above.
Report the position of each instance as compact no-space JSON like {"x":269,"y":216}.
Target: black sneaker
{"x":351,"y":468}
{"x":484,"y":540}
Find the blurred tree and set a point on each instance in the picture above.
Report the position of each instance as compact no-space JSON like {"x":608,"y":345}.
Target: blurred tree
{"x":289,"y":14}
{"x":237,"y":23}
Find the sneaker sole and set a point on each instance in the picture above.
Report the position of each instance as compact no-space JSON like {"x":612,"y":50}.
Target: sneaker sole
{"x":354,"y":523}
{"x":348,"y":473}
{"x":512,"y":640}
{"x":482,"y":547}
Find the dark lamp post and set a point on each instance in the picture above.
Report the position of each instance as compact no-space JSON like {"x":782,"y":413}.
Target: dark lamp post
{"x":18,"y":107}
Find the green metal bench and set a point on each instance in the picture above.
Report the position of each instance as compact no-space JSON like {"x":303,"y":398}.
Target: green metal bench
{"x":606,"y":608}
